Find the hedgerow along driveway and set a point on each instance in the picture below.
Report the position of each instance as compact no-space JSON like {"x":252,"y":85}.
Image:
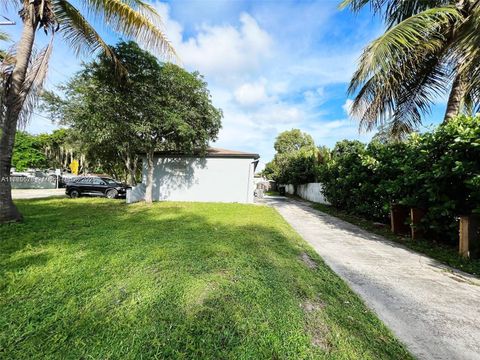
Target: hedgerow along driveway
{"x":430,"y":307}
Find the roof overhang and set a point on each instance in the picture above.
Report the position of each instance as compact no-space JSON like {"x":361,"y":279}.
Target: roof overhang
{"x":209,"y":153}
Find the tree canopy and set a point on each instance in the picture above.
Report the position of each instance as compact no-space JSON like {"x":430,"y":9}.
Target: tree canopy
{"x":155,"y":106}
{"x":295,"y":160}
{"x":27,"y":152}
{"x":293,"y":140}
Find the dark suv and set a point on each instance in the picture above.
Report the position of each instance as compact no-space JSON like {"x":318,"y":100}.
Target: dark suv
{"x":96,"y":186}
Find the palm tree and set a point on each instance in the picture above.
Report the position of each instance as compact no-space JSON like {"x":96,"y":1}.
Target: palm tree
{"x":23,"y":78}
{"x":430,"y":48}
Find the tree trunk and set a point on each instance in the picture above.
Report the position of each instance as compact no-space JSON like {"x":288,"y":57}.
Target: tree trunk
{"x":131,"y":165}
{"x":134,"y":169}
{"x":150,"y":167}
{"x":13,"y":102}
{"x":455,"y":100}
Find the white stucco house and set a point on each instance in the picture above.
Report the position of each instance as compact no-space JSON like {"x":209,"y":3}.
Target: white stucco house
{"x":218,"y":176}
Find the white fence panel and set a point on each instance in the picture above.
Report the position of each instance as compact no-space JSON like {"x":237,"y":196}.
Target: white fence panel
{"x":310,"y":192}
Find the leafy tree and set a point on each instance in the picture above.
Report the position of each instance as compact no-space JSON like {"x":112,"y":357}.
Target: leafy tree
{"x":293,"y":140}
{"x":104,"y":111}
{"x":28,"y":152}
{"x":296,"y":159}
{"x":60,"y":148}
{"x":430,"y":48}
{"x":156,"y":106}
{"x":22,"y":80}
{"x":181,"y":118}
{"x":55,"y":150}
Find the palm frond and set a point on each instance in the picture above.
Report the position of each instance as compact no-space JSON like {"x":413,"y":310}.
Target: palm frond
{"x":6,"y":68}
{"x":384,"y":99}
{"x":426,"y":31}
{"x":33,"y":84}
{"x":467,"y":52}
{"x":11,"y":4}
{"x":357,"y":5}
{"x":77,"y":31}
{"x":394,"y":11}
{"x":134,"y":19}
{"x":414,"y":98}
{"x":397,"y":11}
{"x":4,"y":36}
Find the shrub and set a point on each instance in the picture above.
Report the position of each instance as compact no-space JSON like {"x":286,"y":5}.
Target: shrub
{"x":438,"y":171}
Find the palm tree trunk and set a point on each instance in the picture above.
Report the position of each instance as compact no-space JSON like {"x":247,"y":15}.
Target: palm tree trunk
{"x":455,"y":99}
{"x":150,"y":168}
{"x":13,"y":101}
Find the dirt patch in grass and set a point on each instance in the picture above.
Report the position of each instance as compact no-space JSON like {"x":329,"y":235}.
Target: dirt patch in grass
{"x":308,"y":261}
{"x":314,"y":325}
{"x":309,"y":306}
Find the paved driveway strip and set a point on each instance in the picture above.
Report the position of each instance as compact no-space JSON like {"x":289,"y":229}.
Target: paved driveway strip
{"x":430,"y":307}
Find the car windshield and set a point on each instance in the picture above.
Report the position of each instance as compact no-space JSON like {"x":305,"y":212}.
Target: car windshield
{"x":110,"y":181}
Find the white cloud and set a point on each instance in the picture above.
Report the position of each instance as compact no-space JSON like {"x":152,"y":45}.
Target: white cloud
{"x":347,"y":107}
{"x":314,"y":97}
{"x":249,"y":94}
{"x":221,"y":51}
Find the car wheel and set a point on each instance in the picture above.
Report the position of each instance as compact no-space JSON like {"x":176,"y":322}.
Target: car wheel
{"x":74,"y":194}
{"x":112,"y":194}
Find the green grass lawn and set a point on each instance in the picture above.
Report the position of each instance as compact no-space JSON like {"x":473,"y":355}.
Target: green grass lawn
{"x":435,"y":250}
{"x":97,"y":279}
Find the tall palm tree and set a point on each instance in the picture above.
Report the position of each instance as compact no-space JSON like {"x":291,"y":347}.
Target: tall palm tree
{"x":23,"y":78}
{"x":430,"y":49}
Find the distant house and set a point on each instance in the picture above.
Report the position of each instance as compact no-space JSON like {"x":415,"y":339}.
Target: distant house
{"x":218,"y":176}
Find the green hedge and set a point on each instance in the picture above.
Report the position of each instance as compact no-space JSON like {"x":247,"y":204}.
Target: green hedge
{"x":438,"y":171}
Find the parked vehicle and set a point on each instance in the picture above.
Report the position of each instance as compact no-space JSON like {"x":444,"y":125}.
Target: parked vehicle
{"x":96,"y":186}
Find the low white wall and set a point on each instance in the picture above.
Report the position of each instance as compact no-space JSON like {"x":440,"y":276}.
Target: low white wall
{"x":310,"y":192}
{"x":18,"y":182}
{"x":289,"y":189}
{"x":136,"y":193}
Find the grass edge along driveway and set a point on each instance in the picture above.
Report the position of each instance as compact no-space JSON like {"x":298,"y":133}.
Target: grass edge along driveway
{"x":94,"y":278}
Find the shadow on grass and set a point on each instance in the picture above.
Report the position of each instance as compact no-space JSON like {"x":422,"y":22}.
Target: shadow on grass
{"x":95,"y":278}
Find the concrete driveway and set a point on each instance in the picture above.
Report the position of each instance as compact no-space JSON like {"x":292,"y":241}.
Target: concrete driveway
{"x":36,"y":193}
{"x":430,"y":307}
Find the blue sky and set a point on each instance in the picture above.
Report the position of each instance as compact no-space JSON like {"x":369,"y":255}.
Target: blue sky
{"x":270,"y":65}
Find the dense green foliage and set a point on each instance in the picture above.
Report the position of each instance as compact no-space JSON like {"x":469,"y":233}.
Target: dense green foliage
{"x":156,"y":106}
{"x":52,"y":151}
{"x":438,"y":171}
{"x":98,"y":279}
{"x":296,"y":159}
{"x":27,"y":152}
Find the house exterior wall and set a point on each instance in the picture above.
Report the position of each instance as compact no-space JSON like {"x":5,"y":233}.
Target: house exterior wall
{"x":202,"y":179}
